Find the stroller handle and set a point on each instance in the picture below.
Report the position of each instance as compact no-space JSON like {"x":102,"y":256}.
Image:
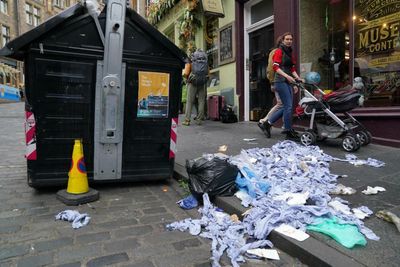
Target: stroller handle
{"x":315,"y":87}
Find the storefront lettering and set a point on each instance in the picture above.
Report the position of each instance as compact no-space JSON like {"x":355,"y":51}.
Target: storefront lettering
{"x":380,"y":38}
{"x":384,"y":61}
{"x":373,"y":9}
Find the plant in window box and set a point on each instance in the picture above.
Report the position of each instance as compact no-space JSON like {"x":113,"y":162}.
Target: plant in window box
{"x":188,"y":27}
{"x":157,"y":10}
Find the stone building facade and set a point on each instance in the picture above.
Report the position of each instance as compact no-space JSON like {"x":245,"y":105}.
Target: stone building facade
{"x":18,"y":17}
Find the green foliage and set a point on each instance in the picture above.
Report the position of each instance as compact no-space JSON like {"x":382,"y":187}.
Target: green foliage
{"x":189,"y":23}
{"x":184,"y":184}
{"x":156,"y":11}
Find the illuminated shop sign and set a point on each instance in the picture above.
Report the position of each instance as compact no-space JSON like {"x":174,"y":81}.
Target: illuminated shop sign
{"x":379,"y":35}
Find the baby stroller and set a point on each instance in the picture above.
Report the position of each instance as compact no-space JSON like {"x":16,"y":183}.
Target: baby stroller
{"x":324,"y":123}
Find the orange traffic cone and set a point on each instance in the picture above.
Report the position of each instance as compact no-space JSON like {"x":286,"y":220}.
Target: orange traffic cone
{"x":78,"y":191}
{"x":77,"y":177}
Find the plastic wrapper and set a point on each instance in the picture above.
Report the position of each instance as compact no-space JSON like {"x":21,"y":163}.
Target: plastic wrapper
{"x":214,"y":176}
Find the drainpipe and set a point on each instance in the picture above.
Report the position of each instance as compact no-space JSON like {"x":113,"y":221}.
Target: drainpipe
{"x":19,"y":65}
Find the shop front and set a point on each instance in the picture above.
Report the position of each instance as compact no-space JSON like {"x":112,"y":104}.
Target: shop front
{"x":356,"y":43}
{"x":341,"y":40}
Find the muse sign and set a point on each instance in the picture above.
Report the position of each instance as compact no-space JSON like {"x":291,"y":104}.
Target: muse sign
{"x":378,"y":25}
{"x":379,"y":35}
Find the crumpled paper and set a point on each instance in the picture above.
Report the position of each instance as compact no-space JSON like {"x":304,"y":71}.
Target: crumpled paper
{"x":78,"y":220}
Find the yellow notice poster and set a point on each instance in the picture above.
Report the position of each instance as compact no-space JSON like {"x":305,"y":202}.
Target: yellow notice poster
{"x":153,"y":95}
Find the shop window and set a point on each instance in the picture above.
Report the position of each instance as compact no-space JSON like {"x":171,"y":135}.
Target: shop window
{"x":211,"y":38}
{"x":4,"y":6}
{"x":262,"y":10}
{"x":324,"y":38}
{"x":5,"y":35}
{"x":377,"y":51}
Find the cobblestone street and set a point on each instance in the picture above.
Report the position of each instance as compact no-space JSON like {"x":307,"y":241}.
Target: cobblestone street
{"x":127,"y":226}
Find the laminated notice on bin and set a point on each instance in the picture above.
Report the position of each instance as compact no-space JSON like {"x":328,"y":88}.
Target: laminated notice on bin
{"x":153,"y":96}
{"x":292,"y":232}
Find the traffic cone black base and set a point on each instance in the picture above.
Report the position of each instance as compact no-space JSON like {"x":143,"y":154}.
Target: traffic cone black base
{"x":77,"y":199}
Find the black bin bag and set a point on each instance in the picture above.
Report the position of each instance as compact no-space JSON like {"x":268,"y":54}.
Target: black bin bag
{"x":215,"y":177}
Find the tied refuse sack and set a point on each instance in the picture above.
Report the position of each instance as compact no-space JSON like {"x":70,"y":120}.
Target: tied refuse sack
{"x":214,"y":176}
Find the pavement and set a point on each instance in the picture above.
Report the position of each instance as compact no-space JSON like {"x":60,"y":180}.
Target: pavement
{"x":127,"y":226}
{"x":319,"y":250}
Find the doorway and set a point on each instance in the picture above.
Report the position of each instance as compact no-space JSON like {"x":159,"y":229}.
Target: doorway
{"x":260,"y":96}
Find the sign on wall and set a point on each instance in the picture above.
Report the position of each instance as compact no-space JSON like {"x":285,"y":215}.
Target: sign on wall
{"x":153,"y":95}
{"x":213,"y":8}
{"x":226,"y":47}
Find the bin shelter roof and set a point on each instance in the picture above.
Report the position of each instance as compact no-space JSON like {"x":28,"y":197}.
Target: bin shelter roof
{"x":140,"y":36}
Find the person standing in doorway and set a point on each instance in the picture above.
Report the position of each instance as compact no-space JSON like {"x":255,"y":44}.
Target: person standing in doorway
{"x":285,"y":77}
{"x":196,"y":72}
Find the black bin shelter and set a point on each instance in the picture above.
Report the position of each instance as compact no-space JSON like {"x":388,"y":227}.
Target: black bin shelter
{"x":64,"y":59}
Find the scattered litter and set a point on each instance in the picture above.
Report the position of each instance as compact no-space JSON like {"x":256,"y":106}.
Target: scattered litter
{"x":271,"y":254}
{"x":78,"y":220}
{"x":303,"y":166}
{"x":249,"y":139}
{"x":223,"y":148}
{"x":373,"y":190}
{"x":244,"y":197}
{"x":165,"y":189}
{"x":343,"y":190}
{"x":251,"y":183}
{"x":389,"y":217}
{"x":286,"y":167}
{"x":352,"y":159}
{"x":346,"y":234}
{"x":340,"y":206}
{"x":293,"y":198}
{"x":235,"y":218}
{"x":215,"y":155}
{"x":90,"y":206}
{"x":226,"y":235}
{"x":292,"y":232}
{"x":362,"y":212}
{"x":188,"y":203}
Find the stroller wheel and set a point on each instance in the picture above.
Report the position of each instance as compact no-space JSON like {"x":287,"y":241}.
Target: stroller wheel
{"x":365,"y":137}
{"x":308,"y":138}
{"x":350,"y":143}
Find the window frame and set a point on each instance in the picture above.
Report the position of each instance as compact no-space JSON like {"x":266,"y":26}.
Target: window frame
{"x":5,"y":36}
{"x":36,"y":16}
{"x":4,"y":3}
{"x":29,"y":13}
{"x":33,"y":14}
